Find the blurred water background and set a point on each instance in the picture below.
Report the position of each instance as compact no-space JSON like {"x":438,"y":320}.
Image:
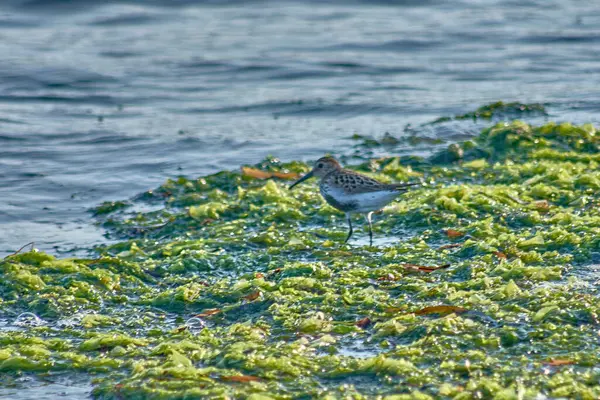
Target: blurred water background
{"x":100,"y":100}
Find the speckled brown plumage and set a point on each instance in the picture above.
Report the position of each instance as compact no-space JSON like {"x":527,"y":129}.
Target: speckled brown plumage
{"x":353,"y":182}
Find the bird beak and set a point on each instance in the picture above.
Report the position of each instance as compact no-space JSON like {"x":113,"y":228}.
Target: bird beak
{"x":305,"y":177}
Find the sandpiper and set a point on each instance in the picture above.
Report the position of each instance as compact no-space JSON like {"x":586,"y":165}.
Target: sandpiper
{"x":351,"y":192}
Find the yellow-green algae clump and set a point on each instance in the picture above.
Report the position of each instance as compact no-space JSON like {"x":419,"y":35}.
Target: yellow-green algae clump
{"x":239,"y":288}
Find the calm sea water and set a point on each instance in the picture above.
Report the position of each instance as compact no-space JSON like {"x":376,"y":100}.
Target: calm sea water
{"x":100,"y":100}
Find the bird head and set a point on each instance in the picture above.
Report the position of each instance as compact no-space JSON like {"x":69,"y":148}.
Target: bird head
{"x":323,"y":166}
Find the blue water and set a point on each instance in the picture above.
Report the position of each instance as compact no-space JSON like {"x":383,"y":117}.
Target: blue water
{"x":100,"y":100}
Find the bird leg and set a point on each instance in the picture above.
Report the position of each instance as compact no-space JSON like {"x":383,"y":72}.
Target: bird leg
{"x":369,"y":215}
{"x":350,"y":226}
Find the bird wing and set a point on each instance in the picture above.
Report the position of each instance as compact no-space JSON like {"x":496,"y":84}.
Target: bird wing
{"x":354,"y":183}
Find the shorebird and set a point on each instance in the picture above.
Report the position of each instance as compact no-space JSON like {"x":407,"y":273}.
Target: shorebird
{"x":351,"y":192}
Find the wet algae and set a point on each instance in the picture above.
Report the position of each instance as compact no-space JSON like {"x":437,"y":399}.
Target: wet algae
{"x":232,"y":287}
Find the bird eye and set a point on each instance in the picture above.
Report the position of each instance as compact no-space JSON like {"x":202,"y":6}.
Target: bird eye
{"x":320,"y":165}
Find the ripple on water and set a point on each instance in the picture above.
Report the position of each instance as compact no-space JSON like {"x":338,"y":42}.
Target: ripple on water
{"x":127,"y":19}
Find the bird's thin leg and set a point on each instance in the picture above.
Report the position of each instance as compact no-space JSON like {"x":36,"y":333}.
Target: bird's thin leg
{"x":369,"y":215}
{"x":350,"y":226}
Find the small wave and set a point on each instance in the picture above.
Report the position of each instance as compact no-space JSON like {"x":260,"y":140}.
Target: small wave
{"x":120,"y":54}
{"x":203,"y":64}
{"x":127,"y":20}
{"x":17,"y":23}
{"x":209,"y":67}
{"x":40,"y":78}
{"x":345,"y":65}
{"x":97,"y":100}
{"x":107,"y":139}
{"x":564,"y":38}
{"x":256,"y":68}
{"x":11,"y":121}
{"x":394,"y":45}
{"x":303,"y":107}
{"x":301,"y":74}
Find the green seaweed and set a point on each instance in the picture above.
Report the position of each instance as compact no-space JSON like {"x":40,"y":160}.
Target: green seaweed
{"x":234,"y":287}
{"x":109,"y":207}
{"x":497,"y":109}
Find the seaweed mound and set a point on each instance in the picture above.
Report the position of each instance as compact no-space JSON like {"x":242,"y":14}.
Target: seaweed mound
{"x":481,"y":284}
